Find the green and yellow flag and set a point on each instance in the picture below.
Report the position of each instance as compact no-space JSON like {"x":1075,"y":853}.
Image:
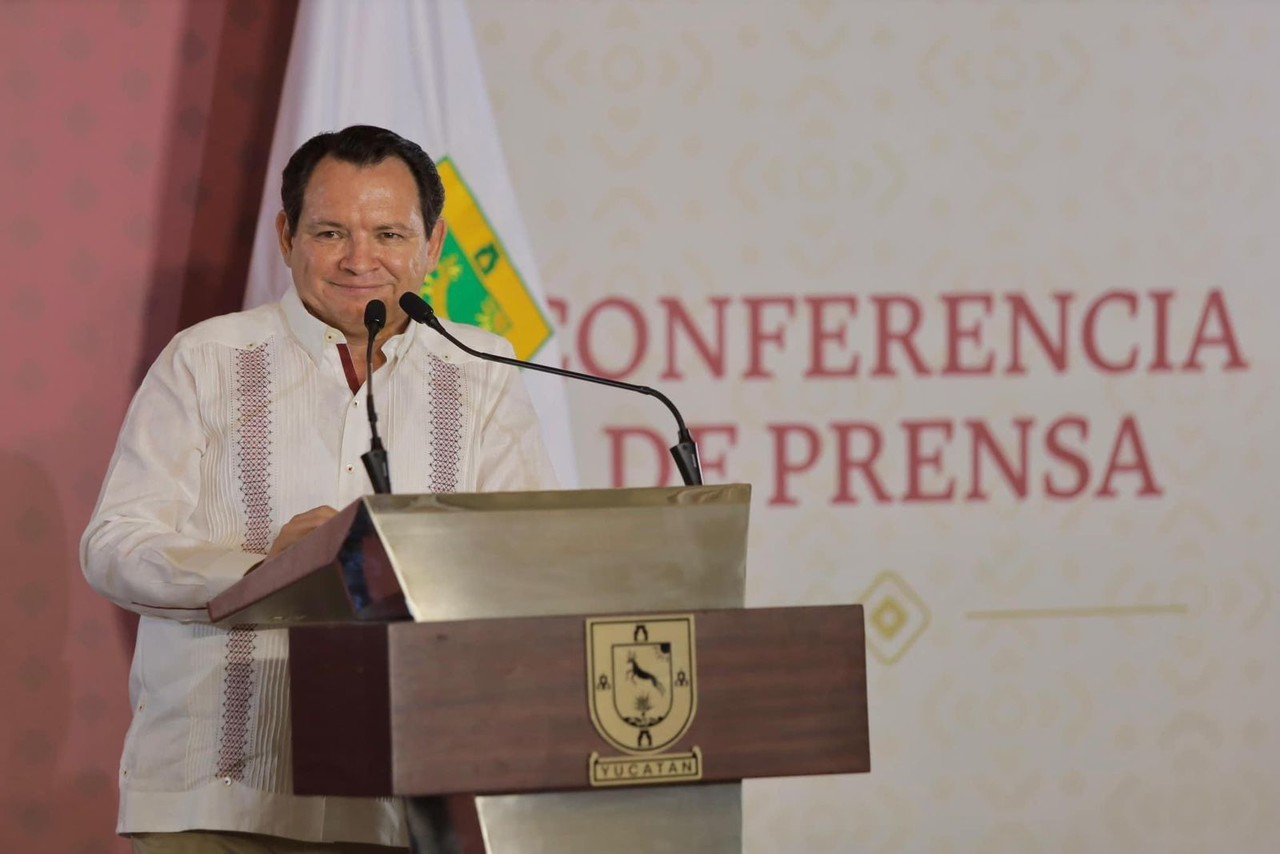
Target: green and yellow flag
{"x":476,"y":280}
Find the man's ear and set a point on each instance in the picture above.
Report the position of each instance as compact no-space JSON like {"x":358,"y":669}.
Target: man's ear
{"x":435,"y":244}
{"x":284,"y":235}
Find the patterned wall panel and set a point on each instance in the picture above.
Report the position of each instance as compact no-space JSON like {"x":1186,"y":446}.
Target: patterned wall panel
{"x":1068,"y":654}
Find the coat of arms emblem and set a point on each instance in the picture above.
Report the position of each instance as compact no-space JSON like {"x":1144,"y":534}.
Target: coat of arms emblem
{"x":642,"y":691}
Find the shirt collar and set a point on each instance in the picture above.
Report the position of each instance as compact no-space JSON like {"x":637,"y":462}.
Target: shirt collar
{"x":318,"y":337}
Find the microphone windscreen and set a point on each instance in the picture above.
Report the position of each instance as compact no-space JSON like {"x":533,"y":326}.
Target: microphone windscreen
{"x":375,"y":314}
{"x":416,"y":307}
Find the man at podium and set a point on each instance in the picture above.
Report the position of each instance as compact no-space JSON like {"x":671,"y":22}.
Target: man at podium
{"x":244,"y":436}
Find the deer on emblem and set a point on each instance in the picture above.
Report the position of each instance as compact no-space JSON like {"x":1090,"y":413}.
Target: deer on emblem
{"x":635,"y":671}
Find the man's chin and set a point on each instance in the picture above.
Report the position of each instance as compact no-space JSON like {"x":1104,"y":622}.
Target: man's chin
{"x":346,"y":318}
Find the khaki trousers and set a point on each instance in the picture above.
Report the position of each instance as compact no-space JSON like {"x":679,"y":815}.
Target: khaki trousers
{"x":211,"y":842}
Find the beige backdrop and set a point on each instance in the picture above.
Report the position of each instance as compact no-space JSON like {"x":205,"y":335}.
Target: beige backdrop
{"x":1083,"y":673}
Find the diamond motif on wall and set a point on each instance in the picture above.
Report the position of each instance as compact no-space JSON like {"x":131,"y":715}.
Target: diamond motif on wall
{"x":896,"y":617}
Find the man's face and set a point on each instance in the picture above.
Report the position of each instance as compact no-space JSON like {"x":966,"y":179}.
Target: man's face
{"x":360,"y":236}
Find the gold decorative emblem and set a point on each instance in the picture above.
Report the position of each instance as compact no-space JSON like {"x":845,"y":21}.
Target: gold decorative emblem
{"x":642,"y":691}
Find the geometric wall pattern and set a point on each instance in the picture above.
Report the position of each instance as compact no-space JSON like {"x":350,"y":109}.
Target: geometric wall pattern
{"x":742,"y":202}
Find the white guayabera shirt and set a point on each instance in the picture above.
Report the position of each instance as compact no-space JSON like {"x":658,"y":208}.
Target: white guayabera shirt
{"x":243,"y":422}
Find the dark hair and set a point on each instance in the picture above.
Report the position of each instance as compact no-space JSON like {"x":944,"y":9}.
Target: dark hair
{"x":362,"y":145}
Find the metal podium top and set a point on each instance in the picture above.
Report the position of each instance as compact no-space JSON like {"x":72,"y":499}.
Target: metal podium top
{"x":457,"y":556}
{"x":503,"y":554}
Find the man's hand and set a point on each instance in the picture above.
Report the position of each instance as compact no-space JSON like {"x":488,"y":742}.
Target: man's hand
{"x":299,"y":526}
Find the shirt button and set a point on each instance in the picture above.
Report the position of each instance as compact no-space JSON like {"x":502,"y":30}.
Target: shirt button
{"x":355,"y":403}
{"x":350,"y":468}
{"x":226,"y":781}
{"x":141,"y":706}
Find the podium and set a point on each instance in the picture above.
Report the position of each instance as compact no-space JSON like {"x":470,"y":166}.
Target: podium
{"x":578,"y":660}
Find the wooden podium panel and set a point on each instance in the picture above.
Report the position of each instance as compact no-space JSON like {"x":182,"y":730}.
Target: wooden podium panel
{"x":501,"y":705}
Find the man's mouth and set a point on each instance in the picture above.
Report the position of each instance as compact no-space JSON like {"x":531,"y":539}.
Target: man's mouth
{"x":345,"y":287}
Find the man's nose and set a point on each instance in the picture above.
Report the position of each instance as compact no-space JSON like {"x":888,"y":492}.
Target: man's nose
{"x":359,"y":257}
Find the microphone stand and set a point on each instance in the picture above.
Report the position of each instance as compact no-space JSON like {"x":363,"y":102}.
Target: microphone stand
{"x":684,"y":452}
{"x":375,"y":459}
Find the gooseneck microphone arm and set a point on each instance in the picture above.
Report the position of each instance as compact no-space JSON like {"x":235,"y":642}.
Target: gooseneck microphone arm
{"x":684,"y":452}
{"x":375,"y":459}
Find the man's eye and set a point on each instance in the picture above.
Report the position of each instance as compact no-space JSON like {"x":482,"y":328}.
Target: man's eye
{"x":391,"y":235}
{"x":328,"y":235}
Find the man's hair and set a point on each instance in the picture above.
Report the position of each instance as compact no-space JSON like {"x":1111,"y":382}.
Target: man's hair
{"x":361,"y":145}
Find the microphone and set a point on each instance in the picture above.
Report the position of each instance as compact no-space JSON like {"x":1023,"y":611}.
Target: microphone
{"x":684,"y":452}
{"x":375,"y":459}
